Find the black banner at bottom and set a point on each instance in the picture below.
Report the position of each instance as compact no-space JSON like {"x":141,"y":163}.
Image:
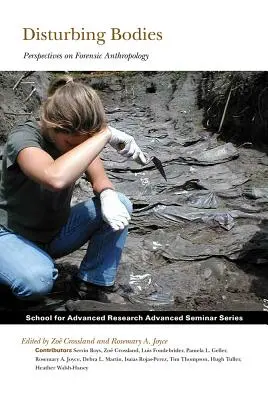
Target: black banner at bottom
{"x":135,"y":317}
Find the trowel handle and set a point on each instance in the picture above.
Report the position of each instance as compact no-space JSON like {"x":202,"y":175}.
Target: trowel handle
{"x":146,"y":155}
{"x":121,"y":146}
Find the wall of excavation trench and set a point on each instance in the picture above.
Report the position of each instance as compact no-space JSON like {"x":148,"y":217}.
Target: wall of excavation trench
{"x":198,"y":241}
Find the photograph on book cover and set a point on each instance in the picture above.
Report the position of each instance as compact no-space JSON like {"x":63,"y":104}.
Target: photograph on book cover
{"x":183,"y":153}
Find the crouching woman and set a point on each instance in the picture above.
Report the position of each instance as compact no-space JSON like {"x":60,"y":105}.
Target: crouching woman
{"x":41,"y":163}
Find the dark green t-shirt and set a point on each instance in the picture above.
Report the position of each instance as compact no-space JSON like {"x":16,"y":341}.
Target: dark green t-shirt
{"x":26,"y":207}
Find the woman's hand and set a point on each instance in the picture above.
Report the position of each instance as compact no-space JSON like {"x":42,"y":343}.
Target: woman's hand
{"x":113,"y":210}
{"x":126,"y":146}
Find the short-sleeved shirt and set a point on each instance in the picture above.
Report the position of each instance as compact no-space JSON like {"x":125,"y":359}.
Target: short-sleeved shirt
{"x":27,"y":207}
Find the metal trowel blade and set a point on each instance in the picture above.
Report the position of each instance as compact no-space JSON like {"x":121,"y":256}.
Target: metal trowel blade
{"x":158,"y":165}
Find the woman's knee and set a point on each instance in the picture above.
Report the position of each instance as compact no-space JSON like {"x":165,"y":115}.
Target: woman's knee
{"x":127,"y":203}
{"x":34,"y":286}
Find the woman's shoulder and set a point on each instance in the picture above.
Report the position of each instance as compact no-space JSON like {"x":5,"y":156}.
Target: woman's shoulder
{"x":30,"y":125}
{"x":25,"y":131}
{"x":26,"y":134}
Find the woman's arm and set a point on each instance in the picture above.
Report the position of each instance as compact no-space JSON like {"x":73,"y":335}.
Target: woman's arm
{"x":96,"y":174}
{"x":65,"y":170}
{"x":114,"y":212}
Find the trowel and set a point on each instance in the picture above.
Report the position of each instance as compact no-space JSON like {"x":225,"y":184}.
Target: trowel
{"x":157,"y":163}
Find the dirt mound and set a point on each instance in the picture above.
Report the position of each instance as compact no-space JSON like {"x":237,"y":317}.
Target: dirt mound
{"x":20,"y":98}
{"x":237,"y":104}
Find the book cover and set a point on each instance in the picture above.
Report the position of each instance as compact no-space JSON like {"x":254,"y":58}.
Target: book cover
{"x":185,"y":87}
